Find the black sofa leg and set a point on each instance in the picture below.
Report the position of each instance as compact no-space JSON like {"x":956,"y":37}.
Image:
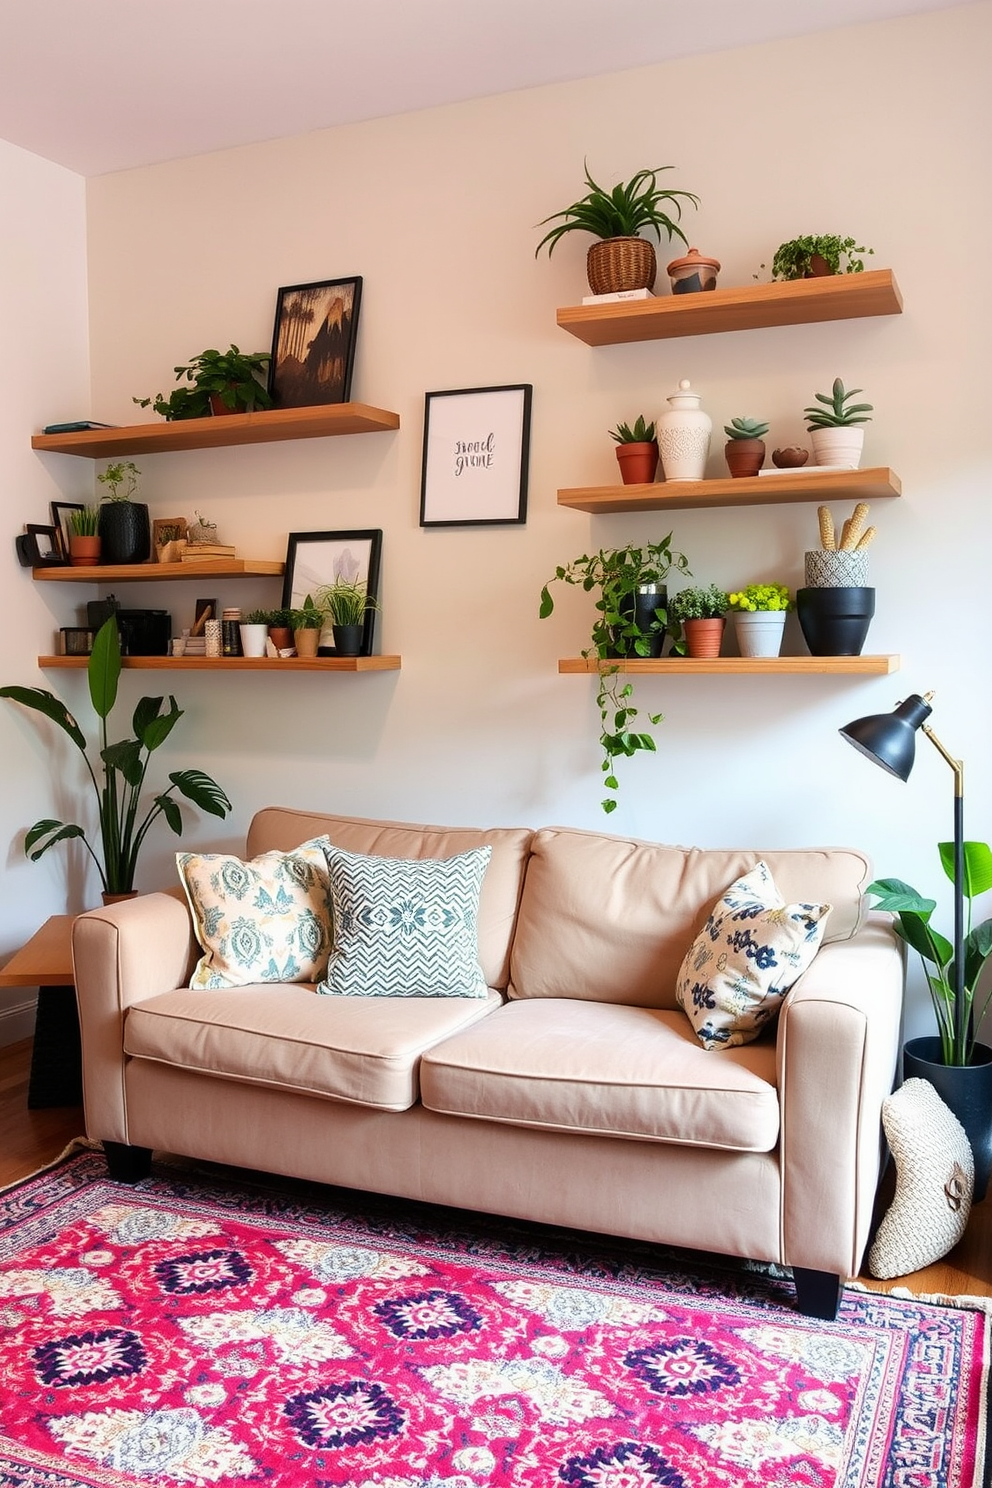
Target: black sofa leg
{"x":127,"y":1164}
{"x":817,"y":1293}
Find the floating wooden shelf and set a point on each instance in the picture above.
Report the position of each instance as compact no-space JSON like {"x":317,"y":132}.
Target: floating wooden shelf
{"x":237,"y":663}
{"x":743,"y":308}
{"x":750,"y":490}
{"x":266,"y":427}
{"x":684,"y":666}
{"x":119,"y":573}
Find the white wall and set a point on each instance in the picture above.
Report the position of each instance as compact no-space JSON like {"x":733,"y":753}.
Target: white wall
{"x":879,"y":131}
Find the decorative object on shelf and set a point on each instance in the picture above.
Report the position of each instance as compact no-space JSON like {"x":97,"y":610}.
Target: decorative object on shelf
{"x":38,"y":547}
{"x":313,"y":342}
{"x":475,"y":457}
{"x":123,"y":523}
{"x":211,"y":638}
{"x":636,"y":451}
{"x":347,"y":605}
{"x":85,"y":542}
{"x":316,"y":561}
{"x":254,"y":631}
{"x":759,"y":618}
{"x":61,"y":520}
{"x":835,"y":427}
{"x":693,"y":273}
{"x":280,"y":623}
{"x":745,"y":447}
{"x":790,"y":458}
{"x":836,"y":606}
{"x":168,"y":538}
{"x":307,"y":622}
{"x":701,"y":612}
{"x":620,"y":575}
{"x":230,"y":631}
{"x":202,"y":530}
{"x":622,"y":259}
{"x":961,"y":1068}
{"x":122,"y":766}
{"x":231,"y":381}
{"x":815,"y":257}
{"x":684,"y":435}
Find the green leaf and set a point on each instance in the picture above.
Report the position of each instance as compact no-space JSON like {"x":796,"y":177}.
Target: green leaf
{"x":170,"y":810}
{"x":547,"y":603}
{"x":202,"y":790}
{"x":41,"y":701}
{"x":895,"y":895}
{"x":977,"y":866}
{"x":62,"y":835}
{"x":104,"y":667}
{"x":916,"y":932}
{"x":151,"y":725}
{"x":125,"y":756}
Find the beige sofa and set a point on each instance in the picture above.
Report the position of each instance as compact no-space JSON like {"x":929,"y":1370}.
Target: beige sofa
{"x":575,"y":1094}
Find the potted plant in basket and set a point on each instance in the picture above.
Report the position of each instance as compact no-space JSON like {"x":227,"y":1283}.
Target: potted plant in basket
{"x":122,"y":768}
{"x":759,"y":616}
{"x":124,"y":526}
{"x":744,"y":451}
{"x":348,"y":605}
{"x":835,"y":426}
{"x":701,"y":612}
{"x":231,"y":381}
{"x":636,"y":451}
{"x":621,"y":259}
{"x":813,"y":257}
{"x":631,"y":621}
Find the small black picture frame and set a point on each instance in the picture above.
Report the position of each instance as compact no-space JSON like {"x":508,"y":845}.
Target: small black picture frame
{"x":315,"y":559}
{"x":313,"y":342}
{"x":60,"y":521}
{"x":476,"y":453}
{"x":38,"y":547}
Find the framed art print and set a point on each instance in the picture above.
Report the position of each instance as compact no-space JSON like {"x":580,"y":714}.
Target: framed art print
{"x":476,"y":448}
{"x":61,"y":521}
{"x":313,"y":343}
{"x":316,"y":559}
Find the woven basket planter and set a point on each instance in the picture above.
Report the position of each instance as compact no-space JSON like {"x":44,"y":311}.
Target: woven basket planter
{"x":613,"y":264}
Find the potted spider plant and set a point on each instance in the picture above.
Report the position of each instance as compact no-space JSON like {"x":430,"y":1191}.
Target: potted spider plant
{"x":349,"y":607}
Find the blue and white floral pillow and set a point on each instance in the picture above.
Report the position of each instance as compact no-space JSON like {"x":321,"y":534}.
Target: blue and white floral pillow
{"x":751,"y":950}
{"x":267,"y":920}
{"x":405,"y":927}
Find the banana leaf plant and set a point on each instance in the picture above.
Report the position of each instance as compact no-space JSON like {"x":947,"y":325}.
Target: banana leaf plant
{"x":912,"y":913}
{"x":119,"y":778}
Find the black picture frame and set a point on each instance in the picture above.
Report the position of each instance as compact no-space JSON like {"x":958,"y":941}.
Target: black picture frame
{"x":313,"y":342}
{"x":476,"y":456}
{"x":314,"y":559}
{"x":60,"y":521}
{"x":38,"y":547}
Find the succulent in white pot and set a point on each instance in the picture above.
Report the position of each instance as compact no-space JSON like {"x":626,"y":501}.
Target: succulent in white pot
{"x":836,"y":426}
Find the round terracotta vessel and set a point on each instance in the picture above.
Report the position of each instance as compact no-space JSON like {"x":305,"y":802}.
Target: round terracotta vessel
{"x":703,"y":638}
{"x":693,"y":272}
{"x":744,"y":456}
{"x":638,"y":462}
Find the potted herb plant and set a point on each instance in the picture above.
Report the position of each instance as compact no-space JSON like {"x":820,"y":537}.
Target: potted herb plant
{"x":122,"y":767}
{"x":636,"y":451}
{"x":812,"y":257}
{"x":85,"y":542}
{"x":621,"y":259}
{"x":630,"y":622}
{"x":745,"y":447}
{"x":701,"y":612}
{"x":835,"y":427}
{"x":254,"y":632}
{"x":123,"y":524}
{"x":347,"y":604}
{"x":307,"y":622}
{"x":280,"y":623}
{"x":759,"y":617}
{"x":231,"y":381}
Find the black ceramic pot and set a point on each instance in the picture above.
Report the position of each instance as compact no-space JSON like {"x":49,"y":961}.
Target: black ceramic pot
{"x":348,"y":639}
{"x":835,"y":622}
{"x":126,"y":532}
{"x":641,"y":607}
{"x":965,"y":1089}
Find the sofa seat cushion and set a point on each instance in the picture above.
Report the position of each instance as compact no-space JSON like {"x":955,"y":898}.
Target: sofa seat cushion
{"x":364,"y":1052}
{"x":605,"y":1069}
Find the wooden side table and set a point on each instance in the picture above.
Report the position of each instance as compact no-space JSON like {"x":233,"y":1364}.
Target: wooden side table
{"x":45,"y":962}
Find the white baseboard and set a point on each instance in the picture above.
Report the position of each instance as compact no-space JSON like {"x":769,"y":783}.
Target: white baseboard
{"x":17,"y":1021}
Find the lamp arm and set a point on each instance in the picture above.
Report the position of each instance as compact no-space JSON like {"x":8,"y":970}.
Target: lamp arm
{"x":961,"y":1019}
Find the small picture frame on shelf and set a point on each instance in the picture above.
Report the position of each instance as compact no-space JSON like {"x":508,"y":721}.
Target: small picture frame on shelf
{"x":61,"y":521}
{"x":37,"y":547}
{"x":475,"y":459}
{"x":168,"y":539}
{"x":315,"y":560}
{"x":313,"y":342}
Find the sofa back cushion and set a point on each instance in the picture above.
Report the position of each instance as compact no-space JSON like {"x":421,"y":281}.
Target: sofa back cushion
{"x":610,"y":918}
{"x":281,"y":828}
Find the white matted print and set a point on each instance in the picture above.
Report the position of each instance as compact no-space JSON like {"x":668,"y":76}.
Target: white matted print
{"x":476,"y":446}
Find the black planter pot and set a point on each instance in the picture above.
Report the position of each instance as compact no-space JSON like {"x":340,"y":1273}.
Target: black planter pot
{"x":126,"y":532}
{"x":641,"y":607}
{"x":348,"y":639}
{"x":835,"y":622}
{"x":965,"y":1089}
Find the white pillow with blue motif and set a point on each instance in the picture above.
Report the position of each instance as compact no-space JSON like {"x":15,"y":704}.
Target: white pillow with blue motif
{"x":405,"y":927}
{"x":753,"y":948}
{"x":267,"y":920}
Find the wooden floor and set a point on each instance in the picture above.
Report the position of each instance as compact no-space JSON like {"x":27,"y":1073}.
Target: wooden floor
{"x":30,"y":1139}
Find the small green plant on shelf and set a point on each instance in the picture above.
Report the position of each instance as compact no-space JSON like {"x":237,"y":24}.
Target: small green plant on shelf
{"x":618,"y":574}
{"x":346,"y":602}
{"x":761,"y":597}
{"x":810,"y":257}
{"x":625,"y":211}
{"x":836,"y":410}
{"x":709,"y":603}
{"x":120,"y":479}
{"x":234,"y":380}
{"x":308,"y":617}
{"x":745,"y":428}
{"x":640,"y":432}
{"x":84,"y":520}
{"x":258,"y":617}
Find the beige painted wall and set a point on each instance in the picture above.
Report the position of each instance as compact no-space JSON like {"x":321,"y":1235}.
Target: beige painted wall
{"x":879,"y":131}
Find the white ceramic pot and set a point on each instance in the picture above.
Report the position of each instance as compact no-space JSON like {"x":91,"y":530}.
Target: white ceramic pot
{"x":253,"y":639}
{"x":838,"y":446}
{"x":759,"y":632}
{"x":684,"y":435}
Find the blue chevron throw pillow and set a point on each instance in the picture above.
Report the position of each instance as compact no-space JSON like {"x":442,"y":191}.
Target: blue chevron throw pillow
{"x":405,"y":927}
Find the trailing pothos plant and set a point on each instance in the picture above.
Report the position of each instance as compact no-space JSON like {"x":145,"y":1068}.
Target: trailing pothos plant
{"x":616,"y":575}
{"x":119,"y":777}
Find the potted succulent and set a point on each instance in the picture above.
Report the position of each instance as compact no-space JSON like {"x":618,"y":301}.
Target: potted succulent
{"x":745,"y":447}
{"x":123,"y":524}
{"x":701,"y":612}
{"x":349,"y":607}
{"x":835,"y":426}
{"x":622,"y":259}
{"x":307,"y":622}
{"x":84,"y":536}
{"x":231,"y":381}
{"x":636,"y":451}
{"x":631,"y":621}
{"x":122,"y":766}
{"x":759,"y":617}
{"x":812,"y":257}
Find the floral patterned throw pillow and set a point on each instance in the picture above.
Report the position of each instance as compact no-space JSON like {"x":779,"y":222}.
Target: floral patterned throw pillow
{"x":268,"y":920}
{"x":751,"y":950}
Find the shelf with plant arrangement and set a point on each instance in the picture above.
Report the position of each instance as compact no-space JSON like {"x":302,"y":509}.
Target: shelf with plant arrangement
{"x":685,"y":666}
{"x":204,"y":568}
{"x":805,"y":483}
{"x":236,"y":663}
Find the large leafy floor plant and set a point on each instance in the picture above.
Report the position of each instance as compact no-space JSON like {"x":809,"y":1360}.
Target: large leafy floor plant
{"x":119,"y":777}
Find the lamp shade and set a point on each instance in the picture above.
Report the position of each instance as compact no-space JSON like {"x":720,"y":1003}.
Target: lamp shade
{"x":889,"y":739}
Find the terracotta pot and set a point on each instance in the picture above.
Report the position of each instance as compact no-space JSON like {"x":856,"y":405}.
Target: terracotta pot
{"x":306,"y":642}
{"x":638,"y":462}
{"x":817,"y":268}
{"x":217,"y":408}
{"x":119,"y":898}
{"x":616,"y":264}
{"x":281,"y":637}
{"x":84,"y":551}
{"x":744,"y":456}
{"x":703,"y":638}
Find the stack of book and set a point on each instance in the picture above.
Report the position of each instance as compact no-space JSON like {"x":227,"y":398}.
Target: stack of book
{"x":197,"y":552}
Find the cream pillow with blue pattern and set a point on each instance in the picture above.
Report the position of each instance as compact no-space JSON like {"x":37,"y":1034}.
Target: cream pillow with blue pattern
{"x":405,"y":927}
{"x":751,"y":950}
{"x":267,"y":920}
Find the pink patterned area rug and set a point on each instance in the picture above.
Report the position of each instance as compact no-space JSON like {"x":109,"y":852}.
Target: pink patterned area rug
{"x":195,"y":1330}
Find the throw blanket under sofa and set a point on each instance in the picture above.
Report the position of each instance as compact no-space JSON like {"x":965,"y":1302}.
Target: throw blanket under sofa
{"x":574,"y":1091}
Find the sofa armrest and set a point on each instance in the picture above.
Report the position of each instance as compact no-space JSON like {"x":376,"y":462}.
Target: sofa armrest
{"x":122,"y":954}
{"x":839,"y":1037}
